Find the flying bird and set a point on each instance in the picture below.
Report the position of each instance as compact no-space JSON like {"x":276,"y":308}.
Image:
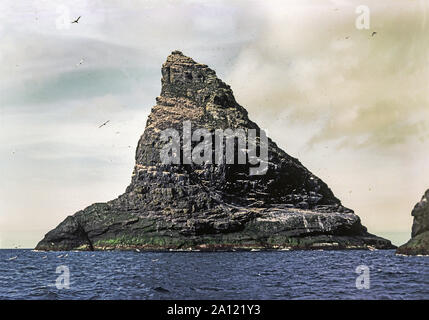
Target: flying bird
{"x":373,"y":34}
{"x":104,"y":123}
{"x":77,"y":20}
{"x":80,"y":62}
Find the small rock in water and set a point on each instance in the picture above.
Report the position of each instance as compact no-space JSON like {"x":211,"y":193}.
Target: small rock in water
{"x":161,"y":289}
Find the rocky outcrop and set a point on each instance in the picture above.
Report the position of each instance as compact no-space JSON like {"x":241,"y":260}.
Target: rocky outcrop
{"x":212,"y":205}
{"x":419,"y":242}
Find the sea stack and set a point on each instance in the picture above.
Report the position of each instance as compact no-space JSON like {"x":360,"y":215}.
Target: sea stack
{"x":419,"y":242}
{"x":213,"y":205}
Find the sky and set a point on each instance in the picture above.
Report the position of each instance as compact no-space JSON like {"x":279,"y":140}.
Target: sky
{"x":352,"y":107}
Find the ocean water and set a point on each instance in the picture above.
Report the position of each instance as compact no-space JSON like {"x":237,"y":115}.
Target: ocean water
{"x":26,"y":274}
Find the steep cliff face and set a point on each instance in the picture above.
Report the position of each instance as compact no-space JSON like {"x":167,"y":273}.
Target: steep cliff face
{"x":213,"y":204}
{"x":419,"y":242}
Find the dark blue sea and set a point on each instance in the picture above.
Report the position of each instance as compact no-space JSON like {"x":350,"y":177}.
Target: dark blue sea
{"x":26,"y":274}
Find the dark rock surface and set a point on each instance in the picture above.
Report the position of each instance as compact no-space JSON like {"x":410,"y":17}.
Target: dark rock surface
{"x":419,"y":242}
{"x":211,"y":206}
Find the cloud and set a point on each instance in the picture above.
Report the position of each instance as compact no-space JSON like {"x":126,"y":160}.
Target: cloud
{"x":383,"y":124}
{"x":315,"y":66}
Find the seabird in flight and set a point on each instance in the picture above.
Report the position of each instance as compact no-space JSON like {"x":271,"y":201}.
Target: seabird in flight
{"x":104,"y":123}
{"x":77,"y":20}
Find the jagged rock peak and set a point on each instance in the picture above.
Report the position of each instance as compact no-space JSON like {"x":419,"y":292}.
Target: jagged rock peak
{"x":419,"y":242}
{"x":183,"y":77}
{"x":421,"y":215}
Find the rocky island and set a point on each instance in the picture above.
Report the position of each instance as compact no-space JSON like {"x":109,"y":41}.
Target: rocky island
{"x":206,"y":206}
{"x":419,"y":242}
